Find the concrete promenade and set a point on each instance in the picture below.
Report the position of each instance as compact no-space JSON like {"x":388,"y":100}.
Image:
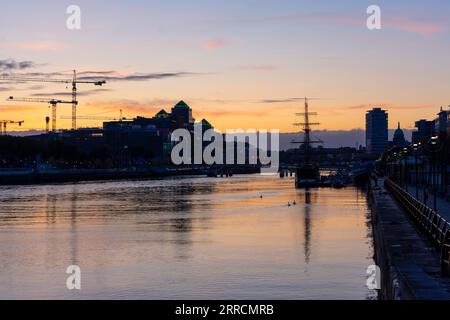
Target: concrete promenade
{"x":409,"y":263}
{"x":442,"y":206}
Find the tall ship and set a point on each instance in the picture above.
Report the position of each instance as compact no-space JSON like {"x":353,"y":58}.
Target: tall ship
{"x":307,"y":173}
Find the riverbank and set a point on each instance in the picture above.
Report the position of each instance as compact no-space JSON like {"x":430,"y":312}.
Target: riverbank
{"x":409,"y":262}
{"x":33,"y":176}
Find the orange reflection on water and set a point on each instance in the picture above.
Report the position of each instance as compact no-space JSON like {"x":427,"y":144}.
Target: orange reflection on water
{"x":186,"y":238}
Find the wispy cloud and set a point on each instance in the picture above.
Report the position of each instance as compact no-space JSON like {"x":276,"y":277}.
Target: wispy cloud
{"x":98,"y":72}
{"x":408,"y":24}
{"x":421,"y":27}
{"x":287,"y":100}
{"x":11,"y":64}
{"x":34,"y":74}
{"x":218,"y":113}
{"x":110,"y":75}
{"x":140,"y":76}
{"x":284,"y":100}
{"x":214,"y":44}
{"x":262,"y":68}
{"x":132,"y":107}
{"x":68,"y":94}
{"x":386,"y":106}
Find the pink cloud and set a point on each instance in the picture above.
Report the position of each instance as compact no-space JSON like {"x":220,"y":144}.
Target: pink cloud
{"x":263,"y":68}
{"x":407,"y":24}
{"x":403,"y":23}
{"x":423,"y":28}
{"x":213,"y":44}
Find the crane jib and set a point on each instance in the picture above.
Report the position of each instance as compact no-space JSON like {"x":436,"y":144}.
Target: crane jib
{"x":53,"y":102}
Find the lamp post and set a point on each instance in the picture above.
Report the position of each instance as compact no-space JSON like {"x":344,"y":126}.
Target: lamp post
{"x":405,"y":154}
{"x":416,"y":148}
{"x":434,"y":143}
{"x":395,"y":167}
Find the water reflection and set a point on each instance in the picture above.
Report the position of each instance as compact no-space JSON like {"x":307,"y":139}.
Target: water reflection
{"x":73,"y":226}
{"x":192,"y":238}
{"x":307,"y":213}
{"x":50,"y":208}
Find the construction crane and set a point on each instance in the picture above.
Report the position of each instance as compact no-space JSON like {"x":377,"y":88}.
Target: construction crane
{"x":94,"y":117}
{"x":53,"y":103}
{"x":4,"y":123}
{"x":74,"y":81}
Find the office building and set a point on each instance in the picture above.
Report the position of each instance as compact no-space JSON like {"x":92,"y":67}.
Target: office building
{"x":376,"y":131}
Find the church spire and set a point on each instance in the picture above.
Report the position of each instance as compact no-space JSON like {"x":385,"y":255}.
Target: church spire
{"x":399,"y":125}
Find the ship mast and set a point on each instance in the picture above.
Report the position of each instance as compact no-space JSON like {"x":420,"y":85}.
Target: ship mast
{"x":306,"y":143}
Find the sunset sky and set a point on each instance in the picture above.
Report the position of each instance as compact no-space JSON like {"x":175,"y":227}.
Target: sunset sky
{"x":238,"y":63}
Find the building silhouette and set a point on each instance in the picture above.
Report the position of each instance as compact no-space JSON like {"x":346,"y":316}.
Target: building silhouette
{"x":376,"y":131}
{"x":442,"y":122}
{"x":425,"y":128}
{"x":399,"y":140}
{"x":182,"y":115}
{"x":150,"y":137}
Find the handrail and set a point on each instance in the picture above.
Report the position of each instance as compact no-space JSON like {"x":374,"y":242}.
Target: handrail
{"x":435,"y":227}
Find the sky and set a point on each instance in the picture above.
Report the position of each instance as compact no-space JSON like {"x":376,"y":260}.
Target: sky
{"x":239,"y":63}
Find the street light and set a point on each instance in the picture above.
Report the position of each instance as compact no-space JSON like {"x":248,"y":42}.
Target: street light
{"x":405,"y":153}
{"x":416,"y":149}
{"x":434,"y":143}
{"x":395,"y":162}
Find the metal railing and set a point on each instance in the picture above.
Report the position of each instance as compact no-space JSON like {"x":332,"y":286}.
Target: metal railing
{"x":435,"y":227}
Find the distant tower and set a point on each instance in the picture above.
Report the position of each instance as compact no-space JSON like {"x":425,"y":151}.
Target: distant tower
{"x":376,"y":131}
{"x":399,"y":138}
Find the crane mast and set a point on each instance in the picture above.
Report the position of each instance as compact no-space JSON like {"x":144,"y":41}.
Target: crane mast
{"x":53,"y":103}
{"x":74,"y":81}
{"x":4,"y":123}
{"x":74,"y":100}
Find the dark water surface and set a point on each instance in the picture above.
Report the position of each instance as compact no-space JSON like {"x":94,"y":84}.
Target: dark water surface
{"x":185,"y":238}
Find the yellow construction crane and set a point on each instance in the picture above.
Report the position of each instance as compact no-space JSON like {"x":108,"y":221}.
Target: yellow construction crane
{"x":4,"y":123}
{"x":74,"y":81}
{"x":52,"y":102}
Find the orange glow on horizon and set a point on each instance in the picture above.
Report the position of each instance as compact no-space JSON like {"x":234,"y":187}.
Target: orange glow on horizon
{"x":240,"y":116}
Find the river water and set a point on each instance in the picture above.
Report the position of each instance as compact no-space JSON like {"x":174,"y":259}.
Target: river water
{"x":185,"y":238}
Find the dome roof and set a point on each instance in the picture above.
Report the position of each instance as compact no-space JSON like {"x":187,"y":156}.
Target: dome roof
{"x":399,"y":132}
{"x":399,"y":138}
